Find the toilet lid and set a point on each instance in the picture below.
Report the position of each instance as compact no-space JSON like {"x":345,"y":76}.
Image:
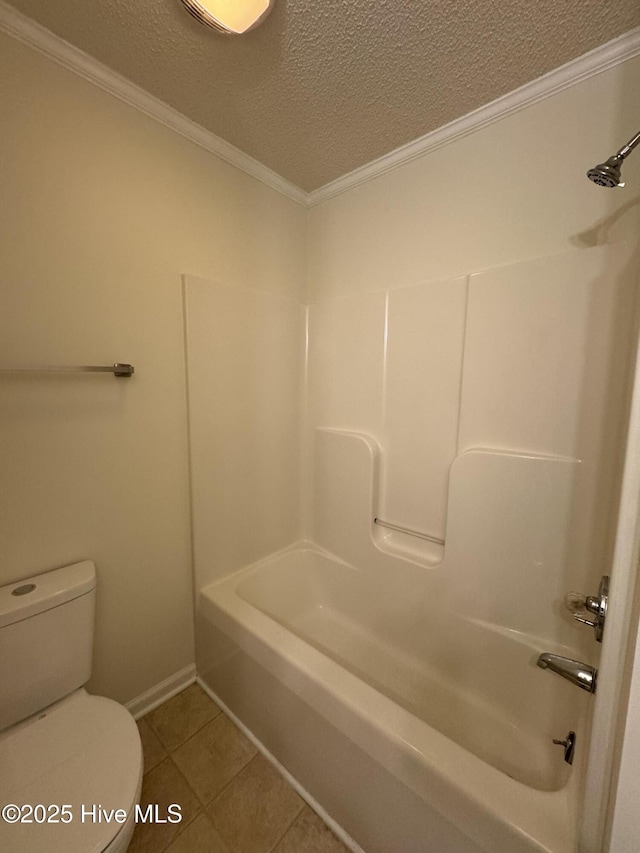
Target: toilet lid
{"x":83,"y":751}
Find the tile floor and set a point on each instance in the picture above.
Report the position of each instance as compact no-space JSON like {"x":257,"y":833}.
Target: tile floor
{"x":232,"y":799}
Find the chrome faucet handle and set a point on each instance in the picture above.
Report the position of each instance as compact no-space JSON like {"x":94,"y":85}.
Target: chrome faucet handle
{"x":580,"y":605}
{"x":577,"y":604}
{"x":569,"y":744}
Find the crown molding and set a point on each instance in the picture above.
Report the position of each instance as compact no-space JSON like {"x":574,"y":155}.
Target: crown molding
{"x":588,"y":65}
{"x":595,"y":62}
{"x":44,"y":41}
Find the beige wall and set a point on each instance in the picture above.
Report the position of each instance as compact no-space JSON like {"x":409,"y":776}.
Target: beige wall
{"x":102,"y":211}
{"x":245,"y":377}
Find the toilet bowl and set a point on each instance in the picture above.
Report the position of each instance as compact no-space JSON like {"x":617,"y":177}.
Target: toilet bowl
{"x":72,"y":766}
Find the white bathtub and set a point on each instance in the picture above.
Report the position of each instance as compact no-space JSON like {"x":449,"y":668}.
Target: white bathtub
{"x":417,"y":730}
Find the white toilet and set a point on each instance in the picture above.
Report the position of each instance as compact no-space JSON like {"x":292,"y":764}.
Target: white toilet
{"x":59,"y":746}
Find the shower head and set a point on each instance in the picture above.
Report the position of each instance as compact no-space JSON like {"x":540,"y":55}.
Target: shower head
{"x":608,"y":174}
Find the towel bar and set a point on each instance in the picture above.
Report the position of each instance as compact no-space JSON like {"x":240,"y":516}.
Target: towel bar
{"x":118,"y":369}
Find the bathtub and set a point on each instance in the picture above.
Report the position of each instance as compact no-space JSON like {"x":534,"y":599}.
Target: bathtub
{"x":414,"y":728}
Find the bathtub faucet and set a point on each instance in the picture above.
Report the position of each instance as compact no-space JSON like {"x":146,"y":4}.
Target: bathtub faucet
{"x":582,"y":674}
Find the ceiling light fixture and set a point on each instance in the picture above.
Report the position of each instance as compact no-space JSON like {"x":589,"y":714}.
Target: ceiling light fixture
{"x":230,"y":16}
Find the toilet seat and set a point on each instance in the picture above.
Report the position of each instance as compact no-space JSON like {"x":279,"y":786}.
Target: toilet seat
{"x":81,"y":751}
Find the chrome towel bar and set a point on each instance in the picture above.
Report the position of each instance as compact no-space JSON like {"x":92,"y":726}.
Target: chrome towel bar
{"x":400,"y":529}
{"x":118,"y":369}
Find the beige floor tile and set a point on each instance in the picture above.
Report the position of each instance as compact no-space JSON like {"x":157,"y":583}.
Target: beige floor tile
{"x":198,"y":837}
{"x":153,"y":751}
{"x":213,"y":756}
{"x":163,"y":786}
{"x":310,"y":835}
{"x":256,"y":809}
{"x":181,"y":717}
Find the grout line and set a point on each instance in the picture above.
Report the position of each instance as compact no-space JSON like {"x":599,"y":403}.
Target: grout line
{"x":189,"y":786}
{"x":147,"y":770}
{"x":281,"y":837}
{"x":197,"y":731}
{"x":233,"y":779}
{"x":169,"y":750}
{"x":183,"y":826}
{"x":205,"y":805}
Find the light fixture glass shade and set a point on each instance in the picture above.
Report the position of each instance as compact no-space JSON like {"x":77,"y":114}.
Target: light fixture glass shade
{"x":230,"y":16}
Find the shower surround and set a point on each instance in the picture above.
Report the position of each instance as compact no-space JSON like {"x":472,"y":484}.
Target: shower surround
{"x":393,"y":674}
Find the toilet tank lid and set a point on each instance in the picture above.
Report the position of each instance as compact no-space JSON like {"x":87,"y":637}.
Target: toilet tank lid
{"x":27,"y":597}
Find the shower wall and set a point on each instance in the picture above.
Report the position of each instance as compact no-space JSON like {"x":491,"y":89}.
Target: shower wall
{"x":486,"y":412}
{"x":527,"y":362}
{"x":479,"y":297}
{"x":390,"y":364}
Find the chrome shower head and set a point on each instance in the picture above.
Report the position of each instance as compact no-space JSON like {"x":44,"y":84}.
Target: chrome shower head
{"x":608,"y":174}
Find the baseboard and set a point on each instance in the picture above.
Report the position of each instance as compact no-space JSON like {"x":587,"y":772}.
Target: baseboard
{"x":346,"y":839}
{"x":149,"y":700}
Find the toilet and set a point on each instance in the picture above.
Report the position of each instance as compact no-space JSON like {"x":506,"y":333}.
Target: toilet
{"x":59,"y":745}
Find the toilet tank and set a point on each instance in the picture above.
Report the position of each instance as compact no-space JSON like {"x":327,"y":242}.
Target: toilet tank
{"x":46,"y":639}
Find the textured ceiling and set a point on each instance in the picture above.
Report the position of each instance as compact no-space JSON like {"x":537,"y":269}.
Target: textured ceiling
{"x":324,"y":86}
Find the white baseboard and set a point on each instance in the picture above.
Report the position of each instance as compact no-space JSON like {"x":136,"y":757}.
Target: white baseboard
{"x":346,"y":839}
{"x":149,"y":700}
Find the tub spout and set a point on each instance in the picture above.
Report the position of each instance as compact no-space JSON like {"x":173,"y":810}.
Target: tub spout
{"x":582,"y":674}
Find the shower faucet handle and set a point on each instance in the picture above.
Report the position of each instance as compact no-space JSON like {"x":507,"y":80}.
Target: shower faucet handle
{"x":569,"y":744}
{"x":581,"y":605}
